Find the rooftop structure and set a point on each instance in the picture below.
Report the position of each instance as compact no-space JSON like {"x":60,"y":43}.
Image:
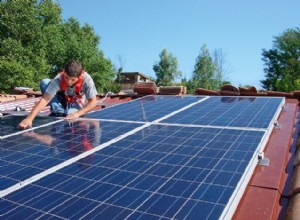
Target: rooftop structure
{"x":129,"y":79}
{"x":266,"y":191}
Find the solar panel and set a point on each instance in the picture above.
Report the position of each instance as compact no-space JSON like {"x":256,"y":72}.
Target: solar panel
{"x":35,"y":151}
{"x":9,"y":123}
{"x":148,"y":108}
{"x":256,"y":112}
{"x":162,"y":169}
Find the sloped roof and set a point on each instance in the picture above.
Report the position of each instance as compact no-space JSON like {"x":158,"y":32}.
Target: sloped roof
{"x":268,"y":193}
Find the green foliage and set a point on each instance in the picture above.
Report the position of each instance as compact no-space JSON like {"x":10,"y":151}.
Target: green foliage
{"x":166,"y":69}
{"x":207,"y":72}
{"x":288,"y":83}
{"x":220,"y":71}
{"x":101,"y":71}
{"x":36,"y":43}
{"x":115,"y":87}
{"x":81,"y":44}
{"x":190,"y":85}
{"x":282,"y":63}
{"x":225,"y":83}
{"x":21,"y":53}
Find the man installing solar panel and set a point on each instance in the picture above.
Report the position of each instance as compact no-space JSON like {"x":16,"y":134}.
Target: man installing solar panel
{"x":71,"y":94}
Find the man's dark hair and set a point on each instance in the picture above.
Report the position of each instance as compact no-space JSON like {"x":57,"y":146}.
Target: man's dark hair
{"x":73,"y":68}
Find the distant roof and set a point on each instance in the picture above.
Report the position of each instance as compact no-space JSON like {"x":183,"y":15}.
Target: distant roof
{"x":132,"y":74}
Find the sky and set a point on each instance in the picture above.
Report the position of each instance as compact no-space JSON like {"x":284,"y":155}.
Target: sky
{"x":134,"y":32}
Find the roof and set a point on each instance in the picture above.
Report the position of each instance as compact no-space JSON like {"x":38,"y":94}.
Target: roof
{"x":269,"y":190}
{"x":267,"y":193}
{"x":133,"y":74}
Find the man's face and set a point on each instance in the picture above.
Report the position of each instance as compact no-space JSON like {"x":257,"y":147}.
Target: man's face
{"x":70,"y":80}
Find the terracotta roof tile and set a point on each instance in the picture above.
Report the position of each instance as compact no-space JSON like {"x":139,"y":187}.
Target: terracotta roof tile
{"x":281,"y":94}
{"x":201,"y":91}
{"x":145,"y":88}
{"x":172,"y":90}
{"x":267,"y":185}
{"x":229,"y":87}
{"x":26,"y":104}
{"x":258,"y":203}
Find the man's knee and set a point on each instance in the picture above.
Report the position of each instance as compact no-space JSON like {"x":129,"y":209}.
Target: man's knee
{"x":44,"y":84}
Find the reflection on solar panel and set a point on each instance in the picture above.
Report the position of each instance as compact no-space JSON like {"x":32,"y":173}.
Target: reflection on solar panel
{"x":35,"y":151}
{"x":118,"y":170}
{"x":8,"y":124}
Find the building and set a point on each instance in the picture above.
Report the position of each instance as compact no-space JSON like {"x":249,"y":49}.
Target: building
{"x":128,"y":80}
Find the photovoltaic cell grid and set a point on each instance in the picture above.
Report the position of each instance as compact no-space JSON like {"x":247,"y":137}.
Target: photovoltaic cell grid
{"x":230,"y":111}
{"x":35,"y":151}
{"x":165,"y":171}
{"x":159,"y":172}
{"x":147,"y":109}
{"x":8,"y":124}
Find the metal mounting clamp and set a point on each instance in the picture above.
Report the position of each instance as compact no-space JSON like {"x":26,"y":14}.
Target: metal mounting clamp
{"x":262,"y":160}
{"x":276,"y":125}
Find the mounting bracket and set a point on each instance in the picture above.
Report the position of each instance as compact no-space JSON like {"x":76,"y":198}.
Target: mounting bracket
{"x":284,"y":109}
{"x":276,"y":125}
{"x":262,"y":160}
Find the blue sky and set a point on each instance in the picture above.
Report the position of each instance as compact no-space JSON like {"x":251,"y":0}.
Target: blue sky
{"x":136,"y":31}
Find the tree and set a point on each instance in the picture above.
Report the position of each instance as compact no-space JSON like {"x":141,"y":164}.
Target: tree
{"x":119,"y":70}
{"x":221,"y":69}
{"x":190,"y":85}
{"x":81,"y":44}
{"x":282,"y":62}
{"x":204,"y":70}
{"x":208,"y":73}
{"x":166,"y":69}
{"x":22,"y":54}
{"x":36,"y":43}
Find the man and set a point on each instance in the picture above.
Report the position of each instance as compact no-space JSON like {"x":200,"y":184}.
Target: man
{"x":66,"y":94}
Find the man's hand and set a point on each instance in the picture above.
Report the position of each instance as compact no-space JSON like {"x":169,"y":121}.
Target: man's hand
{"x":72,"y":116}
{"x":26,"y":123}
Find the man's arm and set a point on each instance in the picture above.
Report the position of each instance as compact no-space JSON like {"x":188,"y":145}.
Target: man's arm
{"x":92,"y":103}
{"x":43,"y":138}
{"x":27,"y":122}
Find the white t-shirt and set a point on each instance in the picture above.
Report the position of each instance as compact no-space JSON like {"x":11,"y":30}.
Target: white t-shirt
{"x":88,"y":87}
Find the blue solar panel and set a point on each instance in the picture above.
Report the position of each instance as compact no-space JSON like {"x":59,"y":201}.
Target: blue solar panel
{"x":148,"y":108}
{"x":230,"y":111}
{"x":8,"y":124}
{"x":190,"y":169}
{"x":32,"y":152}
{"x":189,"y":172}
